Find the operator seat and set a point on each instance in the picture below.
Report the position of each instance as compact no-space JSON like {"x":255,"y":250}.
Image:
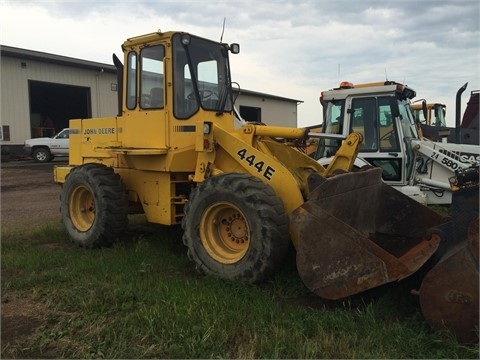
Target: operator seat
{"x":156,"y":97}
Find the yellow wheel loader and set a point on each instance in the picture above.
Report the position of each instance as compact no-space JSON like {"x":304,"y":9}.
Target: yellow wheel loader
{"x":242,"y":192}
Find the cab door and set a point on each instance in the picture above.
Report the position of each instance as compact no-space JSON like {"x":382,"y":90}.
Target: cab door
{"x":372,"y":117}
{"x":145,"y":124}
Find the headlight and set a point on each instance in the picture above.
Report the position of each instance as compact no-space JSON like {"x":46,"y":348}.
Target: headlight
{"x":206,"y":128}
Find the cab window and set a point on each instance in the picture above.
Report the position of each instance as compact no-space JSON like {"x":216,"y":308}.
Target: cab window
{"x":131,"y":80}
{"x":151,"y":80}
{"x":332,"y":124}
{"x":387,"y":127}
{"x":64,"y":134}
{"x":364,"y":121}
{"x":200,"y":77}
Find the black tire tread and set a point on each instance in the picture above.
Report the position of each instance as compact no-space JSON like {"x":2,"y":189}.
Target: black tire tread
{"x":270,"y":212}
{"x":111,"y":205}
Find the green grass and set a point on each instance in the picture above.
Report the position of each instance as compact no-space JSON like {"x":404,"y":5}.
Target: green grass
{"x":143,"y":299}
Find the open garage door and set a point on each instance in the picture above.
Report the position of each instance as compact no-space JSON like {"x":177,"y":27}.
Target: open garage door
{"x":53,"y":105}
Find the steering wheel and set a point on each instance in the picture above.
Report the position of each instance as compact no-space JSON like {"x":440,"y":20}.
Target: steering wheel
{"x":204,"y":95}
{"x":388,"y":135}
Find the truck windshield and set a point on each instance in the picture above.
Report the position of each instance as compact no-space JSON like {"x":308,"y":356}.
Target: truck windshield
{"x":201,"y":76}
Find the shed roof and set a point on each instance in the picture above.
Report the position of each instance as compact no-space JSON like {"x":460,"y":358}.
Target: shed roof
{"x":26,"y":54}
{"x":54,"y":59}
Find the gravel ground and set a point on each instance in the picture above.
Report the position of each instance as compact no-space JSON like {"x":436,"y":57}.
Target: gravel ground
{"x":29,"y":197}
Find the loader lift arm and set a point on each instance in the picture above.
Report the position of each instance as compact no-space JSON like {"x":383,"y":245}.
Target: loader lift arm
{"x":258,"y":151}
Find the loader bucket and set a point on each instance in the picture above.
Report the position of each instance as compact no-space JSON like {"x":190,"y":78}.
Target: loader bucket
{"x":449,"y":291}
{"x":355,"y":233}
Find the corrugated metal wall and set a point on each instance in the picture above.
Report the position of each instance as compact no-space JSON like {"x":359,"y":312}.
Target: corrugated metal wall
{"x":15,"y":106}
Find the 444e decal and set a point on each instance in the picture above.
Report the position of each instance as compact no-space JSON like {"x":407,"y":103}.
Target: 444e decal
{"x":266,"y":170}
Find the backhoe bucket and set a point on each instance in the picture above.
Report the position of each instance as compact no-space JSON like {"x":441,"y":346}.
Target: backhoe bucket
{"x":449,"y":291}
{"x":355,"y":233}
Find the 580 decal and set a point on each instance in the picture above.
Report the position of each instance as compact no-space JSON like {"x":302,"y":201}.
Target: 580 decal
{"x":445,"y":161}
{"x":266,"y":170}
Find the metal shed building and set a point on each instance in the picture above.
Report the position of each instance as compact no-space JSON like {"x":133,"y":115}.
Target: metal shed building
{"x":40,"y":92}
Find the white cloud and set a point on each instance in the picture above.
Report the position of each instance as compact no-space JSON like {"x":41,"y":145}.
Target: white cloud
{"x":293,"y":49}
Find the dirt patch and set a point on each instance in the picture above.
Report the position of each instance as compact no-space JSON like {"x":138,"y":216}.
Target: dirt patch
{"x":29,"y":197}
{"x":20,"y":319}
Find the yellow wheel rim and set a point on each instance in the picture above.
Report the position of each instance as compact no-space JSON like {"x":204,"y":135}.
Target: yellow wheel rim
{"x":82,"y":208}
{"x":225,"y":233}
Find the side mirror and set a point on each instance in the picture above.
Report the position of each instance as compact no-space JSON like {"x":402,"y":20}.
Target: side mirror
{"x":234,"y":48}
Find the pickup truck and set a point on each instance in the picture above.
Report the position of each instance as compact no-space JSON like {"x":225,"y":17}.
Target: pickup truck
{"x":44,"y":149}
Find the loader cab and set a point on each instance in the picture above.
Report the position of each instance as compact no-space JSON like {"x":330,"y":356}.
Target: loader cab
{"x":384,"y":119}
{"x":171,"y":81}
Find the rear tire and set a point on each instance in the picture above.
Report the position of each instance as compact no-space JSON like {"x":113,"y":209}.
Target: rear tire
{"x":235,"y":227}
{"x":94,"y":205}
{"x":42,"y":155}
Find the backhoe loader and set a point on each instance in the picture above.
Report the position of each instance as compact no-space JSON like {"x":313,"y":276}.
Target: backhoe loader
{"x":382,"y":113}
{"x":241,"y":193}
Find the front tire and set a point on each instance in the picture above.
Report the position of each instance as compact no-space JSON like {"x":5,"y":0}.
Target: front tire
{"x":94,"y":205}
{"x":42,"y":155}
{"x":235,"y":227}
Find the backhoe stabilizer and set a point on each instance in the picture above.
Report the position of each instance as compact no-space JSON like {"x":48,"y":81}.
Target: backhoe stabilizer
{"x":356,"y":233}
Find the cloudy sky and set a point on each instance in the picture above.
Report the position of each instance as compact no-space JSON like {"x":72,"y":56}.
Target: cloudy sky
{"x":293,"y":49}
